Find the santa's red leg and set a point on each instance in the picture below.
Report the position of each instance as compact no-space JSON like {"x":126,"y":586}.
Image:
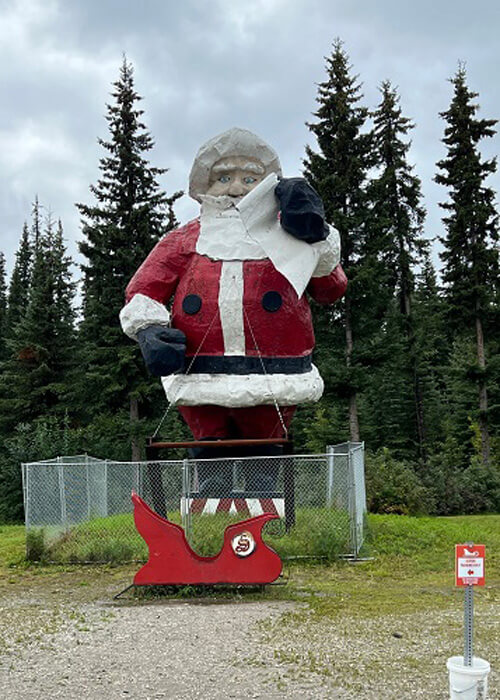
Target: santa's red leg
{"x":217,"y":422}
{"x":255,"y":422}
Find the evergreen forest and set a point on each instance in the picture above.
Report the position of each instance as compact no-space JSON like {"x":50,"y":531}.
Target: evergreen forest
{"x":410,"y":356}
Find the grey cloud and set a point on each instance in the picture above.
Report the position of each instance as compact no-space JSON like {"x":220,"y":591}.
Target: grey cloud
{"x":203,"y":67}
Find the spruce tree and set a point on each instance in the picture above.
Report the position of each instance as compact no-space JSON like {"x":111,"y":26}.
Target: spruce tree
{"x":430,"y":353}
{"x":17,"y":300}
{"x":339,"y":173}
{"x":33,"y":381}
{"x":36,"y":377}
{"x":470,"y":255}
{"x":63,"y":319}
{"x":129,"y":215}
{"x":395,"y":240}
{"x":3,"y":307}
{"x":387,"y":401}
{"x":396,"y":197}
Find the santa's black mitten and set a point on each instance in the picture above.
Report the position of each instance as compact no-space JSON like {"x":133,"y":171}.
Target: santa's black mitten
{"x":302,"y":211}
{"x":163,"y":349}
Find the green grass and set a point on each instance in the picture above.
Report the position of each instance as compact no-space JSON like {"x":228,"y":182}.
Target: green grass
{"x":429,"y":542}
{"x":403,"y":548}
{"x":113,"y":539}
{"x":12,"y":544}
{"x":412,"y":568}
{"x":320,"y":533}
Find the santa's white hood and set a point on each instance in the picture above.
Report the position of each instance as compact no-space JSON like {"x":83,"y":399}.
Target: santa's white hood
{"x":234,"y":142}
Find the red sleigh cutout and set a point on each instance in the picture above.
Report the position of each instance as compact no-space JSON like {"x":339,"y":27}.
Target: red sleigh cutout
{"x":244,"y":558}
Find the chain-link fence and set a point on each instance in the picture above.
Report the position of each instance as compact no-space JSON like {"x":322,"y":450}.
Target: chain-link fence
{"x":79,"y":508}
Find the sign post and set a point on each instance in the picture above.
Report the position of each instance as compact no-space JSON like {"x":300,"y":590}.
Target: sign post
{"x":468,"y":624}
{"x":469,"y":572}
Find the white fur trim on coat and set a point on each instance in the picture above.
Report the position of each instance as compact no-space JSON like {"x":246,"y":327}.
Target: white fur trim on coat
{"x":234,"y":390}
{"x":141,"y":312}
{"x":329,"y":254}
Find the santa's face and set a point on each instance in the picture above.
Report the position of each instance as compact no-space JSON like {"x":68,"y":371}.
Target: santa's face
{"x":235,"y":176}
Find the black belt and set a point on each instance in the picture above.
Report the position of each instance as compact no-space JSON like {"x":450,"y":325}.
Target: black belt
{"x":235,"y":364}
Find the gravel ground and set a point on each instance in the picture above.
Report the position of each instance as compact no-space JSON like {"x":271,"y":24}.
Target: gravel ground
{"x":57,"y":644}
{"x":174,"y":650}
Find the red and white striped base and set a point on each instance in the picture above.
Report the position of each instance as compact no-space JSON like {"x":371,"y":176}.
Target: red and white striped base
{"x":243,"y":506}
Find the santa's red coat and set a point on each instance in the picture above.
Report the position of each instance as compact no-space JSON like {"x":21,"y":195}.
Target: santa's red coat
{"x":231,"y":311}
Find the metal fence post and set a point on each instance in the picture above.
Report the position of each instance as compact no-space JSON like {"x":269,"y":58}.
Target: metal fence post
{"x":289,"y":489}
{"x":330,"y":476}
{"x":352,"y":501}
{"x":105,"y":488}
{"x":24,"y":468}
{"x":137,"y":478}
{"x":62,"y":493}
{"x":186,"y":511}
{"x":87,"y":481}
{"x":361,"y":496}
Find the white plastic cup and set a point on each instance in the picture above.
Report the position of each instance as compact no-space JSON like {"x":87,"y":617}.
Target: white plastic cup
{"x":468,"y":682}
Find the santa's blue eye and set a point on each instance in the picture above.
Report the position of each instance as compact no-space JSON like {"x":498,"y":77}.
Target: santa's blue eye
{"x":249,"y":180}
{"x":224,"y":178}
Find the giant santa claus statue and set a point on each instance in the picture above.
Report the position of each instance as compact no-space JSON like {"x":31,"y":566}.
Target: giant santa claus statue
{"x":235,"y":351}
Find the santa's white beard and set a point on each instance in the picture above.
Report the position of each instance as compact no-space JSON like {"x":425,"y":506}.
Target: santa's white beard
{"x":250,"y":230}
{"x":223,"y":235}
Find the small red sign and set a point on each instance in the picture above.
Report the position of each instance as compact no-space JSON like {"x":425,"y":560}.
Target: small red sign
{"x":469,"y":564}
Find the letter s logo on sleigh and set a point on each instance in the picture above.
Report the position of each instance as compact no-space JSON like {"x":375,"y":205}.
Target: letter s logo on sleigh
{"x":243,"y":544}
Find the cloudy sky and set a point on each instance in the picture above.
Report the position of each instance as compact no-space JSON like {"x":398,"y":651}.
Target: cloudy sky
{"x":204,"y":66}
